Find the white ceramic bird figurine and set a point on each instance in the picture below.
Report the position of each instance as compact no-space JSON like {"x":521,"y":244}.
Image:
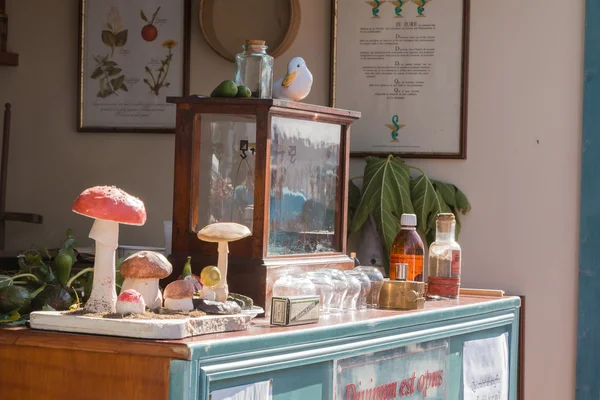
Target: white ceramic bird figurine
{"x":296,"y":83}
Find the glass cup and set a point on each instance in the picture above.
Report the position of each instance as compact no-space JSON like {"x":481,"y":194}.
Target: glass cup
{"x":365,"y":282}
{"x":324,"y":286}
{"x":354,"y":289}
{"x":294,"y":285}
{"x":376,"y":278}
{"x":340,"y":287}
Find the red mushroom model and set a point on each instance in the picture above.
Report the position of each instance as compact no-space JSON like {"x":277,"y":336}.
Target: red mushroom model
{"x":130,"y":302}
{"x":109,"y":206}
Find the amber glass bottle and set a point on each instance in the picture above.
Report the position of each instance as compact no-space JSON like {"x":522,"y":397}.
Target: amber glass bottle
{"x":408,"y":249}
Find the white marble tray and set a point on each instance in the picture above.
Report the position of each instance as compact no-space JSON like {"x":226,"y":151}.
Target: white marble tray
{"x":139,"y":328}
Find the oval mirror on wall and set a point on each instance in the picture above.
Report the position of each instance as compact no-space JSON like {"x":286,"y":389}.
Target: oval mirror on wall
{"x":226,"y":24}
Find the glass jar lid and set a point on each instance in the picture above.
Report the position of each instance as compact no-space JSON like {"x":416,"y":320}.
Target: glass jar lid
{"x":255,"y":42}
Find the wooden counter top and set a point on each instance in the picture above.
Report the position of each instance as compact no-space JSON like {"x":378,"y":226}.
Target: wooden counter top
{"x":345,"y":324}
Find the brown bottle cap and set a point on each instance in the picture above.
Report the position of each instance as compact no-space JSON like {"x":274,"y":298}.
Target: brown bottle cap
{"x":255,"y":42}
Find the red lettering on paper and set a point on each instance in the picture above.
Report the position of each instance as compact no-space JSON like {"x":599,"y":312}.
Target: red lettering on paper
{"x":404,"y":385}
{"x":351,"y":388}
{"x":421,"y":383}
{"x":392,"y":390}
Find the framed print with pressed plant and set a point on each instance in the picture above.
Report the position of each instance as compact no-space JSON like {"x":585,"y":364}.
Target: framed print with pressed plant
{"x":132,"y":55}
{"x":404,"y":65}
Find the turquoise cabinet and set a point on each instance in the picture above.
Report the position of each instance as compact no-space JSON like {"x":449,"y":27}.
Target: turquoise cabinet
{"x":300,"y":362}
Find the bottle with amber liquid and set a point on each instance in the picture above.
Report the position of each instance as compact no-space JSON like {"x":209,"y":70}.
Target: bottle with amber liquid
{"x":407,"y":249}
{"x":444,"y":266}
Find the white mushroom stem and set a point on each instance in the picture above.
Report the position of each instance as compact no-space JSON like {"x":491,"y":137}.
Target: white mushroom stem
{"x":104,"y":295}
{"x":222,"y":290}
{"x":179,"y":304}
{"x":148,"y":288}
{"x":207,"y":294}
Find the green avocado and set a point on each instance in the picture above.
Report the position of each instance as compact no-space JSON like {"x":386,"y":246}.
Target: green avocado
{"x":225,"y":89}
{"x":244,"y":91}
{"x":55,"y":296}
{"x":13,"y":298}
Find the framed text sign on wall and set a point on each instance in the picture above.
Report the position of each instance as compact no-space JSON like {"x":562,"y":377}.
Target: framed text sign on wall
{"x":132,"y":55}
{"x":403,"y":64}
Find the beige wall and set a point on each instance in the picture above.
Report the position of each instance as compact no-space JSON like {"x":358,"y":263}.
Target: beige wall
{"x":522,"y":175}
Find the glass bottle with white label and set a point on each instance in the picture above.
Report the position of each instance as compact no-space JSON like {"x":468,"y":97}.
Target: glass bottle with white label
{"x":444,"y":260}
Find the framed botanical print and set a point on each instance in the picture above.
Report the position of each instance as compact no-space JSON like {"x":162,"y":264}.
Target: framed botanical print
{"x":404,"y":65}
{"x":132,"y":55}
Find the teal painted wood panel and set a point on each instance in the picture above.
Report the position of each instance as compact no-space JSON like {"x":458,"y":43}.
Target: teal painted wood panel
{"x":347,"y":332}
{"x":183,"y":380}
{"x":588,"y":330}
{"x":312,"y":381}
{"x":301,"y":365}
{"x":315,"y":381}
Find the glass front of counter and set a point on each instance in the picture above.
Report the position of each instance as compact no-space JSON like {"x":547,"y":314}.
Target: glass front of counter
{"x":226,"y":169}
{"x":305,"y":170}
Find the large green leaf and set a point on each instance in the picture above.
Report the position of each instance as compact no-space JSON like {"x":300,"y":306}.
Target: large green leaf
{"x":462,"y":203}
{"x":426,"y":203}
{"x":431,"y":223}
{"x":386,"y":194}
{"x":446,"y":191}
{"x":458,"y":223}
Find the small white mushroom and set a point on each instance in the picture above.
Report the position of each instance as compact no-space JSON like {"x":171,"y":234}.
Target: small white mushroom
{"x":109,"y":206}
{"x":178,"y":296}
{"x":223,"y":233}
{"x":130,"y":302}
{"x":141,"y":271}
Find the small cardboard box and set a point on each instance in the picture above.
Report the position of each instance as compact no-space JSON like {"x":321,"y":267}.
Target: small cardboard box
{"x":294,"y":310}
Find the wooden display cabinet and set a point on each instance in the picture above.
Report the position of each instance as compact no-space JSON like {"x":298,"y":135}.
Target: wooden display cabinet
{"x":278,"y":167}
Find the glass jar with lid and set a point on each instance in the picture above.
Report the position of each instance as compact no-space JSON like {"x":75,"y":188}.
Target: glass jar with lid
{"x":254,"y":69}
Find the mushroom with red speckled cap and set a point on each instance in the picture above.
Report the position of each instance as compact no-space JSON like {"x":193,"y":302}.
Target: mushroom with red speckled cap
{"x":142,"y":271}
{"x":223,"y":233}
{"x":130,"y":302}
{"x":109,"y":206}
{"x":178,"y":296}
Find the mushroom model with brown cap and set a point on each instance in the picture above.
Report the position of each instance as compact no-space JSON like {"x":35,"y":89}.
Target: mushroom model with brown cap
{"x":142,"y":271}
{"x":178,"y":296}
{"x":223,"y":233}
{"x":109,"y":206}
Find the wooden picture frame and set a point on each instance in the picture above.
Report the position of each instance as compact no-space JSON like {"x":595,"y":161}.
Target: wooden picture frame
{"x":131,"y":57}
{"x":228,"y":52}
{"x":395,"y":88}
